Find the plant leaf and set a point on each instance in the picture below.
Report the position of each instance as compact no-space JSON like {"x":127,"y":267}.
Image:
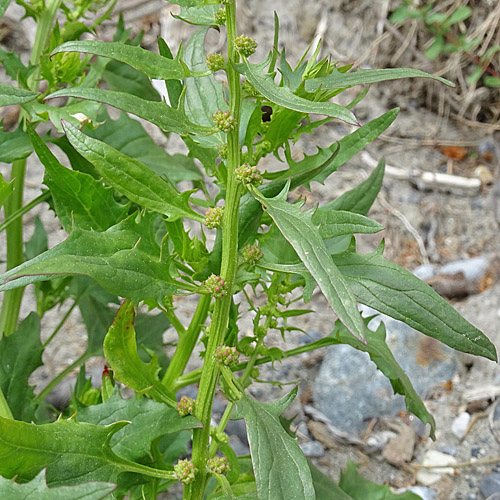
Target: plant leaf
{"x":159,"y":113}
{"x":12,"y":95}
{"x":6,"y":189}
{"x":78,"y":198}
{"x":73,"y":452}
{"x":120,"y":350}
{"x":118,"y":259}
{"x":280,"y":467}
{"x":131,"y":177}
{"x":361,"y":489}
{"x":201,"y":16}
{"x":37,"y":488}
{"x":129,"y":137}
{"x":283,"y":96}
{"x":392,"y":290}
{"x":334,"y":223}
{"x":304,"y":236}
{"x":20,"y":356}
{"x":145,"y":61}
{"x":324,"y":487}
{"x":338,"y":80}
{"x":14,"y":145}
{"x":150,"y":420}
{"x":3,"y":6}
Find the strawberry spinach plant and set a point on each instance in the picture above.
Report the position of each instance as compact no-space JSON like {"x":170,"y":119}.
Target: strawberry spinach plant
{"x":137,"y":238}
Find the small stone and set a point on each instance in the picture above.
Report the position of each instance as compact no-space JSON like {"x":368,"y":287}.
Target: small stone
{"x":427,"y":477}
{"x":460,"y":424}
{"x":423,"y":492}
{"x":490,"y":484}
{"x":312,"y":449}
{"x":484,"y":175}
{"x":475,"y":451}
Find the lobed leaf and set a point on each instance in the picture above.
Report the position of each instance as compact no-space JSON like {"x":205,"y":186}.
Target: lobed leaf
{"x":145,"y":61}
{"x":280,"y":467}
{"x":14,"y":145}
{"x":37,"y":488}
{"x":78,"y":198}
{"x":338,"y":80}
{"x":132,"y":178}
{"x":304,"y":236}
{"x":6,"y":189}
{"x":120,"y":350}
{"x":283,"y":96}
{"x":12,"y":95}
{"x":159,"y":113}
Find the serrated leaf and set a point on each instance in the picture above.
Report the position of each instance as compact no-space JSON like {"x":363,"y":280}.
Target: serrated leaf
{"x":120,"y":350}
{"x":14,"y":145}
{"x":304,"y":236}
{"x":6,"y":189}
{"x":280,"y":467}
{"x":159,"y":113}
{"x":129,"y":137}
{"x":338,"y":80}
{"x":20,"y":356}
{"x":37,"y":488}
{"x":396,"y":292}
{"x":283,"y":96}
{"x":72,"y":452}
{"x":12,"y":95}
{"x":348,"y":147}
{"x":382,"y":356}
{"x":145,"y":61}
{"x":360,"y":488}
{"x":150,"y":421}
{"x":131,"y":177}
{"x":14,"y":67}
{"x":78,"y":198}
{"x":118,"y":259}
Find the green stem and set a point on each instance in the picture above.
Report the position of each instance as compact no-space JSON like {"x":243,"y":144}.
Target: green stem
{"x":59,"y":378}
{"x":186,"y":344}
{"x":23,"y":210}
{"x":4,"y":407}
{"x":14,"y":234}
{"x":229,"y":263}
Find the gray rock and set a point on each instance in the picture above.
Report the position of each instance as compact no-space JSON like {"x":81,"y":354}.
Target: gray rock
{"x":473,"y":268}
{"x":350,"y":390}
{"x":490,"y":484}
{"x":312,"y":449}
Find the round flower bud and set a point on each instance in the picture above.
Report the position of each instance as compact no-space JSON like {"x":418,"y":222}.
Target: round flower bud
{"x":227,"y":356}
{"x":248,"y":175}
{"x":213,"y":217}
{"x":252,"y":254}
{"x":224,"y":121}
{"x":185,"y":406}
{"x":245,"y":45}
{"x":220,"y":17}
{"x":185,"y":471}
{"x":215,"y":62}
{"x":219,"y":465}
{"x":216,"y":286}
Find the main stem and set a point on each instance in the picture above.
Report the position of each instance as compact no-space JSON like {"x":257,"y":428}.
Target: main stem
{"x":210,"y":372}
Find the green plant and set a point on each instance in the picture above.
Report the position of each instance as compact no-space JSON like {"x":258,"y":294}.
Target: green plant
{"x":133,"y":239}
{"x":447,"y":37}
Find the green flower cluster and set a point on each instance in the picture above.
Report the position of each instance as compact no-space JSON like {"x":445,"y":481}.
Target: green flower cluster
{"x":219,"y":465}
{"x":227,"y":356}
{"x":245,"y":45}
{"x":215,"y":61}
{"x":213,"y":217}
{"x":248,"y":175}
{"x":185,"y":406}
{"x":215,"y":286}
{"x":185,"y":471}
{"x":252,"y":254}
{"x":224,"y":121}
